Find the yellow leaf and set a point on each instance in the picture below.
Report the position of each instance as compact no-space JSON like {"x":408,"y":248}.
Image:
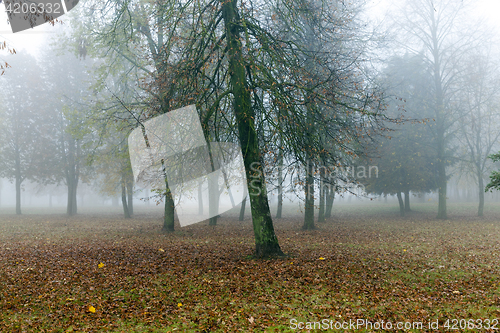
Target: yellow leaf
{"x":321,"y":258}
{"x":179,"y":304}
{"x":161,"y":250}
{"x":91,"y":309}
{"x":101,"y":265}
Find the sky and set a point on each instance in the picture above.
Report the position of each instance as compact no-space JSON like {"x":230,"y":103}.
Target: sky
{"x":488,"y":9}
{"x":35,"y":38}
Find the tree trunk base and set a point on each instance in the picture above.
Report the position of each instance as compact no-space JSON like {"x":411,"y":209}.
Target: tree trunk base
{"x":309,"y":227}
{"x":166,"y":230}
{"x":269,"y":252}
{"x":213,"y":221}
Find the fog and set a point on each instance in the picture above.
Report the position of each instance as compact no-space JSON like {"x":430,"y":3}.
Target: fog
{"x":407,"y":88}
{"x":249,"y":165}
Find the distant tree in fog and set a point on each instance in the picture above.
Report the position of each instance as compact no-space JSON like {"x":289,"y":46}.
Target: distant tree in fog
{"x":438,"y":30}
{"x":67,"y":82}
{"x":494,"y":183}
{"x":406,"y":161}
{"x":479,"y":123}
{"x":21,"y":112}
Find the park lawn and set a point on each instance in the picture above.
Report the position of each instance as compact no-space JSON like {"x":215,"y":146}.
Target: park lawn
{"x":105,"y":273}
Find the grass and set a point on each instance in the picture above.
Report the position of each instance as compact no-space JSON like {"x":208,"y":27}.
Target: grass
{"x":377,"y":266}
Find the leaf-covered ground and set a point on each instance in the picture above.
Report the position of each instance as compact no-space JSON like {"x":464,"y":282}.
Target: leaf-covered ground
{"x":98,"y":273}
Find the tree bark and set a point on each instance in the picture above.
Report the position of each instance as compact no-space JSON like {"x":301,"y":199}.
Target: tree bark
{"x":130,"y":194}
{"x":19,"y":180}
{"x":481,"y":195}
{"x":242,"y":210}
{"x":440,"y":121}
{"x":322,"y":195}
{"x":280,"y":184}
{"x":266,"y":242}
{"x":309,"y":198}
{"x":442,"y":181}
{"x":401,"y":204}
{"x":169,"y":212}
{"x":18,"y":194}
{"x":330,"y":191}
{"x":407,"y":201}
{"x":124,"y":200}
{"x":200,"y":198}
{"x":213,"y":192}
{"x":72,"y":175}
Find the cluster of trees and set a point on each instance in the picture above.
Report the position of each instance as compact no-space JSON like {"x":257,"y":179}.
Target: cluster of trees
{"x":447,"y":79}
{"x":290,"y":81}
{"x":40,"y":104}
{"x":284,"y":79}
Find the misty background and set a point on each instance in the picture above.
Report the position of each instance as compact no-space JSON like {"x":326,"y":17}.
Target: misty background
{"x":429,"y":70}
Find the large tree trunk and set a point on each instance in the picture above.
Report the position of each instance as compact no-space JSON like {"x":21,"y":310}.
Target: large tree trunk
{"x":169,"y":212}
{"x":322,"y":195}
{"x":19,"y":180}
{"x":127,"y":182}
{"x":330,"y":197}
{"x":200,"y":197}
{"x":130,"y":194}
{"x":407,"y":201}
{"x":124,"y":200}
{"x":169,"y":209}
{"x":243,"y":204}
{"x":71,"y":207}
{"x":481,"y":195}
{"x":280,"y":184}
{"x":309,"y":198}
{"x":213,"y":192}
{"x":442,"y":181}
{"x":401,"y":204}
{"x":266,"y":242}
{"x":440,"y":123}
{"x":242,"y":210}
{"x":18,"y":194}
{"x":72,"y":175}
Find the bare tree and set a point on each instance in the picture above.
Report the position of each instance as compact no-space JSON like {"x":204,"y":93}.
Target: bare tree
{"x":20,"y":113}
{"x":437,"y":29}
{"x":479,"y":107}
